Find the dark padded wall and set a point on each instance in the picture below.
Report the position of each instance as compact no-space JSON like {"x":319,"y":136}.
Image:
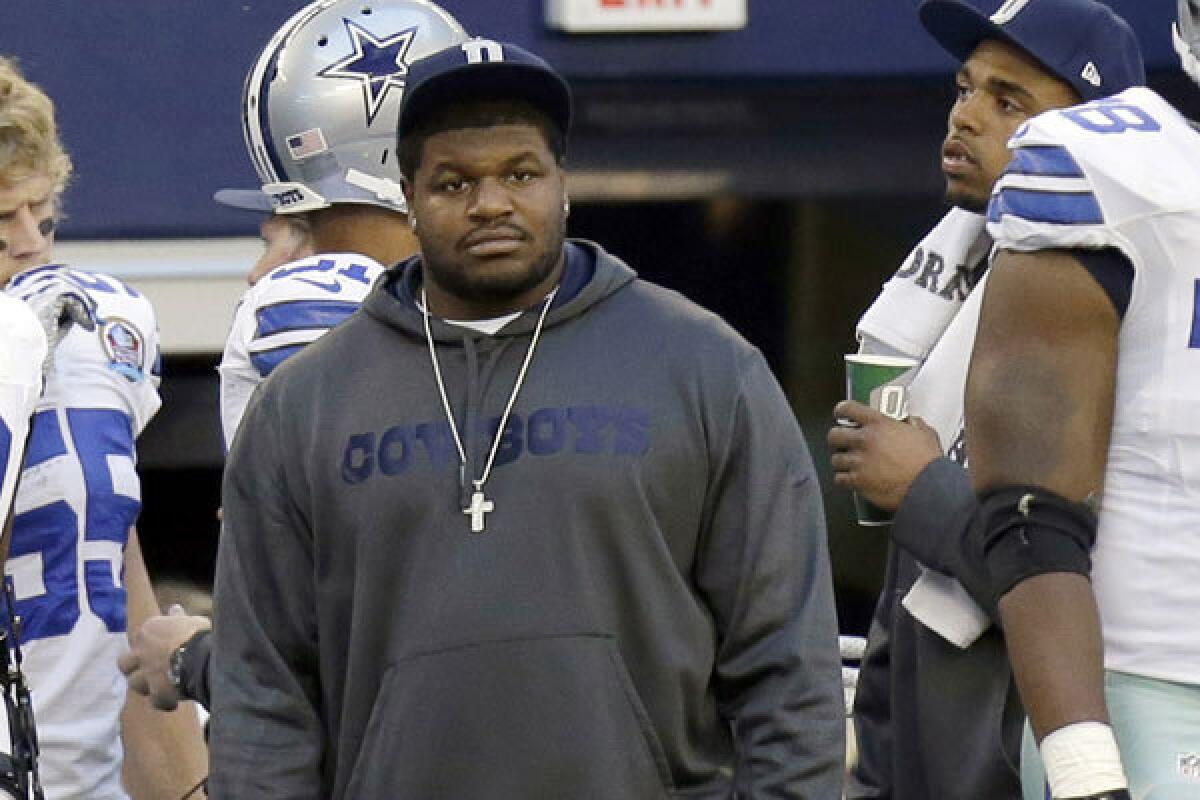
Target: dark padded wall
{"x":149,"y":91}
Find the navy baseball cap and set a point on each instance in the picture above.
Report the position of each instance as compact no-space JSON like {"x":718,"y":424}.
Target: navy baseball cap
{"x":1083,"y":42}
{"x":483,"y":69}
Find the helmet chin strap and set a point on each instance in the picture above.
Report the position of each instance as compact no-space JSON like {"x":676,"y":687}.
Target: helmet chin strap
{"x":293,"y":198}
{"x":387,"y":190}
{"x":1187,"y":58}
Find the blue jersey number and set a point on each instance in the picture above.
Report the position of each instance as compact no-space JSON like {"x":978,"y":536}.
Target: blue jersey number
{"x":5,"y":451}
{"x":97,"y":283}
{"x":1194,"y":341}
{"x":355,"y":272}
{"x":102,"y":438}
{"x":1110,"y":117}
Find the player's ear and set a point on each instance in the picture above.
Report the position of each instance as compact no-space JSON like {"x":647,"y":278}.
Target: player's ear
{"x":406,"y":187}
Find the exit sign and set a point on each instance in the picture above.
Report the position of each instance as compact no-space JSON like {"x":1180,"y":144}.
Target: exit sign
{"x":631,"y":16}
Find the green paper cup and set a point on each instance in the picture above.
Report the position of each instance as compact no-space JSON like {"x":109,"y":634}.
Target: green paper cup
{"x":880,"y":382}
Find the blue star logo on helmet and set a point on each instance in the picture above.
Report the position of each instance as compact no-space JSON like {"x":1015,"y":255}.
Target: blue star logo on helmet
{"x":377,"y":63}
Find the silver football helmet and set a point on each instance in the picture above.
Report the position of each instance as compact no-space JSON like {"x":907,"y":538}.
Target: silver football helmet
{"x":1186,"y":37}
{"x":320,"y":105}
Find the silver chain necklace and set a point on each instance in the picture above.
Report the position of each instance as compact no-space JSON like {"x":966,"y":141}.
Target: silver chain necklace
{"x":480,"y":505}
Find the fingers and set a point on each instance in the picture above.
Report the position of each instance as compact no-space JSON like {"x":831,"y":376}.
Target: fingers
{"x":161,"y":694}
{"x":139,"y":683}
{"x":844,"y":461}
{"x":846,"y":480}
{"x":165,"y":701}
{"x":79,"y":312}
{"x":841,"y":437}
{"x":131,"y":667}
{"x":849,"y":411}
{"x":845,"y":445}
{"x":60,"y":301}
{"x":856,"y":412}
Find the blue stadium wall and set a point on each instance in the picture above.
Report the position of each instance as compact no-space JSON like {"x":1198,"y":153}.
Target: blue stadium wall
{"x":149,"y":91}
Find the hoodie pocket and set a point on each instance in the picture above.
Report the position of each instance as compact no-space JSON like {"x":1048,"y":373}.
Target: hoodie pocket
{"x":521,"y":719}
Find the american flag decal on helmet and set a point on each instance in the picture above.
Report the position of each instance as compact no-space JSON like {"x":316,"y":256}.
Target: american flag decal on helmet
{"x":306,"y":143}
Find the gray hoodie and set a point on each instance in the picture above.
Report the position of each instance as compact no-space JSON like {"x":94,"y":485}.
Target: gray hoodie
{"x":648,"y":614}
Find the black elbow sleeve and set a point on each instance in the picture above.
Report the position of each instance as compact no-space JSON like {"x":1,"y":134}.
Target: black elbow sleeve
{"x":197,"y":653}
{"x":1023,"y":531}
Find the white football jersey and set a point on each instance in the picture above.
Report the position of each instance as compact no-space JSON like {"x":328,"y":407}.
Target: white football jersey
{"x":290,"y":307}
{"x":1124,"y":172}
{"x":78,"y":499}
{"x":22,"y":350}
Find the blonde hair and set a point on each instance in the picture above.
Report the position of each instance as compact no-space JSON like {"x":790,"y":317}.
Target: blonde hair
{"x":29,"y":142}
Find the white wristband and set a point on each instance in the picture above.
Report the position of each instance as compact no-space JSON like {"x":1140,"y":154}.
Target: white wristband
{"x":1081,"y":760}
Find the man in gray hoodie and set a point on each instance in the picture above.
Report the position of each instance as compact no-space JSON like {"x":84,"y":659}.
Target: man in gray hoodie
{"x":525,"y":526}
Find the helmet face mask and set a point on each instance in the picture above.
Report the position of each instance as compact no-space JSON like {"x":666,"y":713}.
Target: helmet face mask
{"x":320,"y":104}
{"x":1186,"y":37}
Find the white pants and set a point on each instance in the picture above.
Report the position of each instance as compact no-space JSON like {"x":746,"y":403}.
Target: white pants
{"x":1157,"y":724}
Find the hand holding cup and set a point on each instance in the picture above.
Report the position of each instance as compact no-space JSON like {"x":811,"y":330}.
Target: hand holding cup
{"x":874,"y":447}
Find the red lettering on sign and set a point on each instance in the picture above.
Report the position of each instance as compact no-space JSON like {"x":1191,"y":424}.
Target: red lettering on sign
{"x":654,"y":3}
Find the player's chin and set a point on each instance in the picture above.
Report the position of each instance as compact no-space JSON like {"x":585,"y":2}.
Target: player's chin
{"x":12,"y":267}
{"x":500,"y":280}
{"x":500,"y":271}
{"x":965,"y":197}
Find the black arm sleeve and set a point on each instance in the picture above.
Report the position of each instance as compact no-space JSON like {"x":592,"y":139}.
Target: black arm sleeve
{"x":196,"y":654}
{"x":1113,"y":271}
{"x":932,"y":524}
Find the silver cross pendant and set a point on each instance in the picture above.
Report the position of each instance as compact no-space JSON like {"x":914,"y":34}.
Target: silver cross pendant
{"x":480,"y":505}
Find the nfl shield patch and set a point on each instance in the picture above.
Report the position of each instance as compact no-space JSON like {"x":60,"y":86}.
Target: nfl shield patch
{"x":124,"y":347}
{"x":1189,"y":765}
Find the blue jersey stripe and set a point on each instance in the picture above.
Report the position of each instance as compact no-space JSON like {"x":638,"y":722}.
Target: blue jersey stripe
{"x":266,"y":361}
{"x":264,"y":119}
{"x":1057,"y":208}
{"x":5,"y":452}
{"x":45,"y":440}
{"x":37,"y":273}
{"x":1049,"y":160}
{"x":301,"y":315}
{"x":1194,"y":342}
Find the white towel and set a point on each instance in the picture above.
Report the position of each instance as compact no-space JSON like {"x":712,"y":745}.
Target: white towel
{"x":22,"y":350}
{"x":919,"y":301}
{"x":936,"y":395}
{"x":930,"y":310}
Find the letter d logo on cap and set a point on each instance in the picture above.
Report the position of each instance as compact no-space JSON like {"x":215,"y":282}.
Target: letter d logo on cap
{"x":480,"y":51}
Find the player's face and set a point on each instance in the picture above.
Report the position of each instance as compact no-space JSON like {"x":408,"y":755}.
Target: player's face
{"x":284,"y":239}
{"x":27,"y":207}
{"x":998,"y":88}
{"x":489,"y":205}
